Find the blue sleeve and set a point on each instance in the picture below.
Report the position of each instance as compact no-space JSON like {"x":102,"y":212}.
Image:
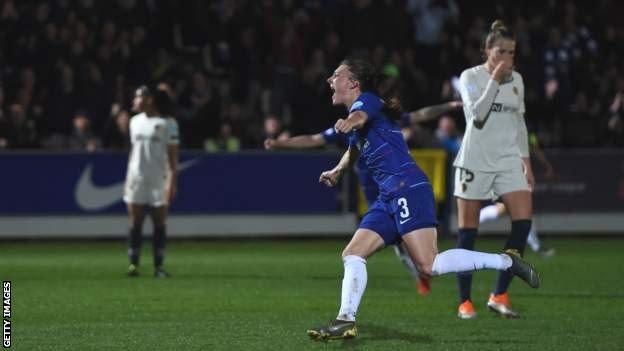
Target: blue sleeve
{"x":369,"y":103}
{"x":352,"y":139}
{"x":405,"y":119}
{"x":330,"y":135}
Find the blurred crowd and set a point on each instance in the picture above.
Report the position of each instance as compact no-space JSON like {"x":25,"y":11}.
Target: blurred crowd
{"x":241,"y":71}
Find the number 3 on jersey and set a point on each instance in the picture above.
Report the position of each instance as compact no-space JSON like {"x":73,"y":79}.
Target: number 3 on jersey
{"x":404,"y":209}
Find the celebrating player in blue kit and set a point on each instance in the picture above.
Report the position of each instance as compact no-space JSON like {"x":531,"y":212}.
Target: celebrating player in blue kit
{"x":369,"y":187}
{"x":404,"y":209}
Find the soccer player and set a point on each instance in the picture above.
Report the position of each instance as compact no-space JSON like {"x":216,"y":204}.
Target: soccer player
{"x":493,"y":159}
{"x":404,"y":209}
{"x":151,"y":177}
{"x":330,"y":136}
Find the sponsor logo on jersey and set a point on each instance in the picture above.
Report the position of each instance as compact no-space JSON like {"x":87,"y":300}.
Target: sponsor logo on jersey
{"x":496,"y":107}
{"x":142,"y":137}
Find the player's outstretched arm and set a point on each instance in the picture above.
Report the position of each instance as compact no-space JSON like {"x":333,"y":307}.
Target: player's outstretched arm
{"x":430,"y":112}
{"x":297,"y":142}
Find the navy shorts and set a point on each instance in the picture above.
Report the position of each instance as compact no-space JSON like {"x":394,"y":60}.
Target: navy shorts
{"x":414,"y":209}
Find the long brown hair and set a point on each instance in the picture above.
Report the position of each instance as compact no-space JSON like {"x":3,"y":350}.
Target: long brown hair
{"x":367,"y":75}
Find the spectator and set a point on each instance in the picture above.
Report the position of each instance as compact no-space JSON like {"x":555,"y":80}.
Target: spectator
{"x":82,"y":138}
{"x":448,"y":136}
{"x":273,"y":129}
{"x":117,"y":132}
{"x":225,"y":141}
{"x":22,"y":130}
{"x":59,"y":58}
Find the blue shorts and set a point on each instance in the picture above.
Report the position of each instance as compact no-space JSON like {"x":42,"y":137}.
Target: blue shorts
{"x":393,"y":218}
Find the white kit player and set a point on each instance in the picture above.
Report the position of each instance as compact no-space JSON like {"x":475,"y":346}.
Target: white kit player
{"x":493,"y":158}
{"x":152,"y":172}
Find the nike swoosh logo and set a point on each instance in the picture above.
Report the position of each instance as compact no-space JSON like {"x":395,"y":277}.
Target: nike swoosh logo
{"x":91,"y":197}
{"x":401,"y":222}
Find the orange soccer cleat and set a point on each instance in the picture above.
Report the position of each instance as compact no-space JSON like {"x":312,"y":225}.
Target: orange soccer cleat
{"x":466,"y":310}
{"x":423,"y":286}
{"x":500,"y":304}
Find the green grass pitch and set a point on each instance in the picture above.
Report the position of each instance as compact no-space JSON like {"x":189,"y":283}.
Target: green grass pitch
{"x":263,"y":294}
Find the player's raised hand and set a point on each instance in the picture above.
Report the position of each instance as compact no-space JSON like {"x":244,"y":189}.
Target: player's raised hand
{"x":270,"y":144}
{"x":343,"y":126}
{"x":502,"y":70}
{"x":330,"y":178}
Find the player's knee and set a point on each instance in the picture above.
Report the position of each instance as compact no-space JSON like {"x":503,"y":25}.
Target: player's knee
{"x":346,"y":252}
{"x":351,"y":252}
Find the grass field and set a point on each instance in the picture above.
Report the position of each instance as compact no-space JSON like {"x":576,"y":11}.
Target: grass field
{"x":262,"y":295}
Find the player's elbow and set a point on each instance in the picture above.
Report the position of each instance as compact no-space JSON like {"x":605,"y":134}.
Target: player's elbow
{"x":477,"y":114}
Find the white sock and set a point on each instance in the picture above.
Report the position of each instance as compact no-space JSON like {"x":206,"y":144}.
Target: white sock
{"x":353,"y":286}
{"x":488,"y":213}
{"x":406,"y":260}
{"x":462,"y":260}
{"x":533,"y":240}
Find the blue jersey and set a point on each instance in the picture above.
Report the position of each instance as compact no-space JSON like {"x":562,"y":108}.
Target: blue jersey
{"x":383,"y":152}
{"x":371,"y":191}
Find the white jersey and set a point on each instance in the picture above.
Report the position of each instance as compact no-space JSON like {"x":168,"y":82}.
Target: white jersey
{"x":150,"y":137}
{"x":496,"y":134}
